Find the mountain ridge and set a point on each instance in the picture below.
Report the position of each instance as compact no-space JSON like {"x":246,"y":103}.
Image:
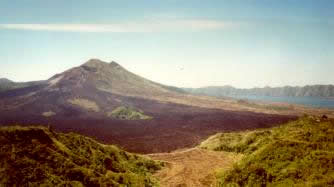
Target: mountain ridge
{"x":7,"y":84}
{"x":317,"y":90}
{"x":97,"y":66}
{"x":5,"y":80}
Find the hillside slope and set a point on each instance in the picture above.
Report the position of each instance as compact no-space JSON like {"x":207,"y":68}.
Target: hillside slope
{"x":300,"y":152}
{"x":39,"y":156}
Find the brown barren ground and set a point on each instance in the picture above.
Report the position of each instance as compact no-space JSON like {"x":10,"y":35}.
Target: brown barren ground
{"x":193,"y":167}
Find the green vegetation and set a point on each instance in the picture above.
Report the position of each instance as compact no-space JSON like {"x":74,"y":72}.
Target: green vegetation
{"x":298,"y":153}
{"x":85,"y":103}
{"x":128,"y":113}
{"x":48,"y":114}
{"x":35,"y":156}
{"x":242,"y":142}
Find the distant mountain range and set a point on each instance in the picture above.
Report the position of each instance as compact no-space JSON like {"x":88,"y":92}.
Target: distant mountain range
{"x":6,"y":84}
{"x":221,"y":91}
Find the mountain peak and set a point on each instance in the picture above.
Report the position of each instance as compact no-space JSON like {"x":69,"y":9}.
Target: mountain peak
{"x":98,"y":78}
{"x":114,"y":64}
{"x":94,"y":62}
{"x":97,"y":63}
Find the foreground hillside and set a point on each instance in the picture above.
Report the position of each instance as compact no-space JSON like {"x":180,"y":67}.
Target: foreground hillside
{"x":297,"y":153}
{"x":300,"y":152}
{"x":39,"y":156}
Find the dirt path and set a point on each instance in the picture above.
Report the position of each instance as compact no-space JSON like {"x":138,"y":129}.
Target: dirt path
{"x":193,"y":167}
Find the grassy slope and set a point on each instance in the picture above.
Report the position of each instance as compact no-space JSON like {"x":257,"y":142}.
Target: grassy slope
{"x":37,"y":155}
{"x":128,"y":113}
{"x":298,"y":153}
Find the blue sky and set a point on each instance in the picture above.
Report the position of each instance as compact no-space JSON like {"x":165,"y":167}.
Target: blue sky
{"x":188,"y":43}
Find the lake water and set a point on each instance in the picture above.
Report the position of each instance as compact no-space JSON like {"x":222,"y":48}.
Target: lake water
{"x":308,"y":101}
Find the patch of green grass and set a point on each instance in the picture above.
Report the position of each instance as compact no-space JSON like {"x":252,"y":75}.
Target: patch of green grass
{"x":38,"y":156}
{"x":128,"y":113}
{"x":48,"y":114}
{"x":297,"y":153}
{"x":85,"y":103}
{"x":243,"y":142}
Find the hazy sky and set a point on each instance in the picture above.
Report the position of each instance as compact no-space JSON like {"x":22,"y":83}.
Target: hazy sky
{"x":188,"y":43}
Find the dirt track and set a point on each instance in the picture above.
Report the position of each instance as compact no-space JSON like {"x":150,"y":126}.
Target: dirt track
{"x":193,"y":167}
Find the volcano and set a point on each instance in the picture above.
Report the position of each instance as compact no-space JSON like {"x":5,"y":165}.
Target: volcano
{"x":105,"y":101}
